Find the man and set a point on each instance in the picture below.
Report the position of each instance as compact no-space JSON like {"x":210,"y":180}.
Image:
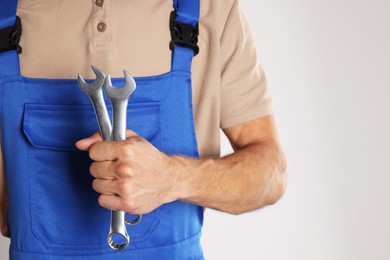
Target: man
{"x":228,"y":92}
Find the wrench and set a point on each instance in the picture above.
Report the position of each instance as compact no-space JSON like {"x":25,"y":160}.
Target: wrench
{"x":119,"y":98}
{"x":95,"y":94}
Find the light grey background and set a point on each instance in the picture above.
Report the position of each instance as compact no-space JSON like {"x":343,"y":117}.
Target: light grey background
{"x":328,"y":68}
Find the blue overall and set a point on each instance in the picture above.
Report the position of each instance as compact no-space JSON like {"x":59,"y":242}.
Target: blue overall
{"x":53,"y":211}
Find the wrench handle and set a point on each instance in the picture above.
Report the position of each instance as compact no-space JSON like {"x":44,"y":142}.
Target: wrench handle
{"x":119,"y":126}
{"x":101,"y":115}
{"x":119,"y":133}
{"x":119,"y":98}
{"x":118,"y":238}
{"x":118,"y":220}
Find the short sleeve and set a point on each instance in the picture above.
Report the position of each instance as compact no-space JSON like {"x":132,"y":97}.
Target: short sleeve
{"x":244,"y":92}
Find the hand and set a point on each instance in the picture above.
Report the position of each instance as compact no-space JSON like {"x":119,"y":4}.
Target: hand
{"x":131,"y":175}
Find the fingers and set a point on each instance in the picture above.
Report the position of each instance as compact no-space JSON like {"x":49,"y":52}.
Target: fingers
{"x":104,"y":151}
{"x":111,"y":169}
{"x":103,"y":170}
{"x":105,"y":187}
{"x":112,"y":202}
{"x":85,"y":144}
{"x":115,"y":202}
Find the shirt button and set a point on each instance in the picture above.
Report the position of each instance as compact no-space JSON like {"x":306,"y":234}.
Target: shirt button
{"x":101,"y":27}
{"x":99,"y":3}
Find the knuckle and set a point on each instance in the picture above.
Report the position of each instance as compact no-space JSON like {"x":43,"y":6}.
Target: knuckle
{"x":123,"y":150}
{"x":129,"y":205}
{"x":137,"y":139}
{"x":122,"y":170}
{"x":122,"y":187}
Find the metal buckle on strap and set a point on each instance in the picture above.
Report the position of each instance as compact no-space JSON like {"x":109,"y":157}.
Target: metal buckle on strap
{"x":183,"y":34}
{"x":10,"y":37}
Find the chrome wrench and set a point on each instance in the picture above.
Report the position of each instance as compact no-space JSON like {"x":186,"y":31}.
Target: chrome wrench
{"x":95,"y":94}
{"x":119,"y":98}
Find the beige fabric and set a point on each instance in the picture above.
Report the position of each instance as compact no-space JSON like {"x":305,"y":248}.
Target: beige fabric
{"x":60,"y":39}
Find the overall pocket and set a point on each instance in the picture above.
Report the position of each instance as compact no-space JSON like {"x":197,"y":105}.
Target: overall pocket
{"x":64,"y":208}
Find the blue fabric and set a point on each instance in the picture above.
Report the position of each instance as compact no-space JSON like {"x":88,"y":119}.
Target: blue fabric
{"x":187,"y":249}
{"x":187,"y":11}
{"x":9,"y":63}
{"x":53,"y":211}
{"x":7,"y":12}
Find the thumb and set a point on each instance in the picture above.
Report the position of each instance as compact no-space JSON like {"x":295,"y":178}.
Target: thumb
{"x":86,"y":143}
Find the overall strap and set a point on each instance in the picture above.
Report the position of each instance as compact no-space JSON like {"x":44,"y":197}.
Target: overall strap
{"x":9,"y":60}
{"x":184,"y":21}
{"x":187,"y":11}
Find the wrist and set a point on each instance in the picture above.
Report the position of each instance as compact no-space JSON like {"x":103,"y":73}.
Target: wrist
{"x":178,"y":168}
{"x":191,"y":178}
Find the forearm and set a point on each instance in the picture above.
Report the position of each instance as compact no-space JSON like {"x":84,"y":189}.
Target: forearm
{"x":134,"y":176}
{"x":250,"y":178}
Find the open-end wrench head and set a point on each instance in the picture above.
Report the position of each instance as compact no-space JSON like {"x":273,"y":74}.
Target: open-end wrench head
{"x":130,"y":82}
{"x":94,"y":86}
{"x":123,"y":92}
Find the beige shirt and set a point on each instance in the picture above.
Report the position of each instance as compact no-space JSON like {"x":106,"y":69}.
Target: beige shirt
{"x":63,"y":38}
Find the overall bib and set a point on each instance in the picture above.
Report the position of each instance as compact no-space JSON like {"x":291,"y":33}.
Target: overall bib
{"x":53,"y":211}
